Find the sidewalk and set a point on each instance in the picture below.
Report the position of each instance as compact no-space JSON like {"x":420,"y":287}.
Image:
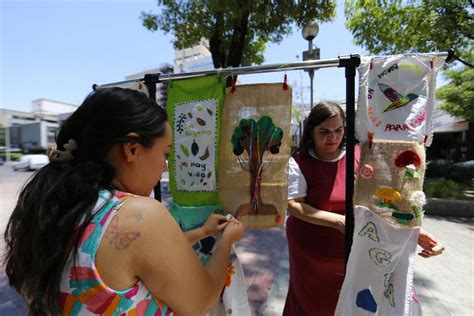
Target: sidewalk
{"x":444,"y":284}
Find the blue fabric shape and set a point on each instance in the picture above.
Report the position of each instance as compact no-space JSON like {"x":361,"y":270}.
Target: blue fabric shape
{"x":366,"y":301}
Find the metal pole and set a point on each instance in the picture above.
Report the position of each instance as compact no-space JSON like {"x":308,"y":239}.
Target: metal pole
{"x":309,"y":64}
{"x":311,"y":74}
{"x":350,"y":63}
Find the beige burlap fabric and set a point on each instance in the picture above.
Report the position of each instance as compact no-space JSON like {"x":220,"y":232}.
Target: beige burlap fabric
{"x":378,"y":170}
{"x":255,"y":101}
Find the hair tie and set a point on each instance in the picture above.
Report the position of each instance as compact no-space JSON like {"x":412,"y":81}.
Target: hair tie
{"x":55,"y":154}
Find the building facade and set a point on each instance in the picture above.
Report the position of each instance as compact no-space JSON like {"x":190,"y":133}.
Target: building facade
{"x":32,"y":131}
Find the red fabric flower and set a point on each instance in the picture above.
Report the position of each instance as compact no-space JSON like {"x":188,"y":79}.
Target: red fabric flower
{"x":406,"y":158}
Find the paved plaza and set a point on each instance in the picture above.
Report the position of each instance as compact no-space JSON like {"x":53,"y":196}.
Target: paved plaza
{"x":444,"y":284}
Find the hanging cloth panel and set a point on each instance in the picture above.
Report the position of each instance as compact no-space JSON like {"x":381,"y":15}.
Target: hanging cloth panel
{"x":194,"y":112}
{"x":254,"y":154}
{"x":397,"y":97}
{"x":379,"y":275}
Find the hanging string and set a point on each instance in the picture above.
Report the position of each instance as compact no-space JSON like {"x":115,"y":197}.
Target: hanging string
{"x":370,"y":136}
{"x":232,"y":89}
{"x":285,"y":83}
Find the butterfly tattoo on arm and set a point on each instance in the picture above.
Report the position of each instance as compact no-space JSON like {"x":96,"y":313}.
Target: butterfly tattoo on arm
{"x":119,"y":236}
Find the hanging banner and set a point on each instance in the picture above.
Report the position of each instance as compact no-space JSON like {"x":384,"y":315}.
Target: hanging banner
{"x":379,"y":274}
{"x":397,"y":97}
{"x":254,"y":153}
{"x":194,"y":111}
{"x":388,"y":211}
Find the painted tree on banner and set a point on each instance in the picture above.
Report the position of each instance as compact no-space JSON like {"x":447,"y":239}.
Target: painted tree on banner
{"x":256,"y":139}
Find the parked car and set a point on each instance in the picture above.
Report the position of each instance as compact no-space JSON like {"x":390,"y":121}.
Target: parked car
{"x":31,"y":162}
{"x":465,"y":164}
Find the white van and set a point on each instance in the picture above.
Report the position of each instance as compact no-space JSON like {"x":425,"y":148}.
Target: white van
{"x":31,"y":162}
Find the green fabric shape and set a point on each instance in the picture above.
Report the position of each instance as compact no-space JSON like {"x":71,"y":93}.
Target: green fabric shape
{"x":190,"y":217}
{"x":194,"y":112}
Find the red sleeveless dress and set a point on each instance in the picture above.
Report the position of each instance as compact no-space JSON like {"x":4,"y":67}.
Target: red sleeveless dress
{"x":316,"y":253}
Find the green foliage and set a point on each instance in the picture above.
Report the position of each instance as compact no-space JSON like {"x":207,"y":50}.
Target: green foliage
{"x":401,"y":26}
{"x":296,"y":113}
{"x":256,"y":138}
{"x":449,"y":171}
{"x":458,"y":95}
{"x":13,"y":156}
{"x":445,"y":189}
{"x":237,"y":30}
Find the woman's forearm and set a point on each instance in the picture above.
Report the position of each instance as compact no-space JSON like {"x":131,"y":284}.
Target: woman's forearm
{"x":315,"y":216}
{"x":195,"y":235}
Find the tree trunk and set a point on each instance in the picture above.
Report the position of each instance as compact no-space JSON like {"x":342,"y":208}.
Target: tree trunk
{"x":215,"y":42}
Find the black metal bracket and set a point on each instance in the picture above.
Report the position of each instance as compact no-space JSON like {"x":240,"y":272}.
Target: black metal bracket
{"x":150,"y":82}
{"x":450,"y":55}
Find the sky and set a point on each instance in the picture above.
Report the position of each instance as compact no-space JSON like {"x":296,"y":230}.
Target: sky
{"x":58,"y":49}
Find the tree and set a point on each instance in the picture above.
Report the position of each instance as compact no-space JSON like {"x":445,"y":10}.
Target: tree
{"x":256,"y":138}
{"x":237,"y":30}
{"x":458,"y":97}
{"x":400,"y":26}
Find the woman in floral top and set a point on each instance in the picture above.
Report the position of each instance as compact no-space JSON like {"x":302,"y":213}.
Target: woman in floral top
{"x":84,"y":238}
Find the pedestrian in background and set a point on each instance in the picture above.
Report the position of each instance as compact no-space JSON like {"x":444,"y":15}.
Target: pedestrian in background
{"x":85,"y":239}
{"x":316,"y":225}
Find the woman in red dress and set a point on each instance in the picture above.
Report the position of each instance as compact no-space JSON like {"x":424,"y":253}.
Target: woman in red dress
{"x":315,"y":227}
{"x":316,"y":203}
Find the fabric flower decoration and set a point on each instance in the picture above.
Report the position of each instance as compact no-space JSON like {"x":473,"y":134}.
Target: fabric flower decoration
{"x":230,"y":272}
{"x":410,"y":161}
{"x":410,"y":172}
{"x":387,"y":196}
{"x":366,"y":172}
{"x":417,"y":200}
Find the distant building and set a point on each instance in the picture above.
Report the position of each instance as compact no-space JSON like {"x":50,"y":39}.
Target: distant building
{"x":196,"y":58}
{"x":36,"y":130}
{"x":450,"y":139}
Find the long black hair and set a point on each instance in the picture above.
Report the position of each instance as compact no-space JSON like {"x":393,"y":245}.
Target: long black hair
{"x":55,"y":206}
{"x":320,"y":112}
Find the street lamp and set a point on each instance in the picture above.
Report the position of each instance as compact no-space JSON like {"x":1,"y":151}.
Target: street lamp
{"x":309,"y":32}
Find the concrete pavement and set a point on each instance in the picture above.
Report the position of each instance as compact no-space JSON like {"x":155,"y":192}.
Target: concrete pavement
{"x":444,"y":284}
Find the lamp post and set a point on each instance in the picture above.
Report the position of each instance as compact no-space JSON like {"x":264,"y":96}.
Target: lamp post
{"x":309,"y":32}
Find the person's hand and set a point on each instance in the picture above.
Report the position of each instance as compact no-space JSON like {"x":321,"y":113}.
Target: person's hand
{"x":340,"y":223}
{"x":430,"y":246}
{"x":214,"y":224}
{"x":233,"y":231}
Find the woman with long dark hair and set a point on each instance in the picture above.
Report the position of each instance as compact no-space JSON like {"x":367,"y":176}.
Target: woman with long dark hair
{"x":84,"y":238}
{"x":316,"y":203}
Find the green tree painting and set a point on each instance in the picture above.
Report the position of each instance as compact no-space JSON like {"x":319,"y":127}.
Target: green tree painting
{"x":256,"y":139}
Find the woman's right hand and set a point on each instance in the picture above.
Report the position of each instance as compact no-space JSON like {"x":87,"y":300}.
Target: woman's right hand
{"x":233,"y":231}
{"x":340,"y":222}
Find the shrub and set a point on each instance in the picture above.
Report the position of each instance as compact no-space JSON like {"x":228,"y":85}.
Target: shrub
{"x":445,"y":188}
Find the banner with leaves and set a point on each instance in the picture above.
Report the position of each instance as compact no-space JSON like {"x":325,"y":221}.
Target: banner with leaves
{"x":194,"y":110}
{"x":254,"y":153}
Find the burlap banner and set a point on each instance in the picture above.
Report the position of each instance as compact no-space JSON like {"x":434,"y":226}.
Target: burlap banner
{"x":254,"y":152}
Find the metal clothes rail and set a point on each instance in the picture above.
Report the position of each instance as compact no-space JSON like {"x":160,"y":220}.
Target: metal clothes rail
{"x":349,"y":62}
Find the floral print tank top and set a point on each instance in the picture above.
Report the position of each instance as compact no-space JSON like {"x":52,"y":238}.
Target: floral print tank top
{"x":83,"y":292}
